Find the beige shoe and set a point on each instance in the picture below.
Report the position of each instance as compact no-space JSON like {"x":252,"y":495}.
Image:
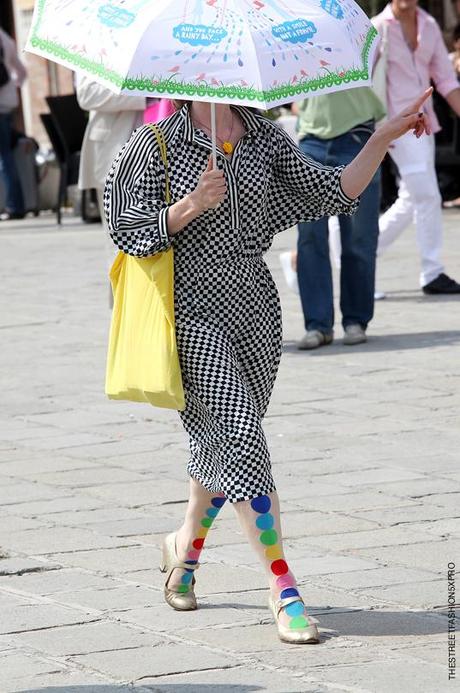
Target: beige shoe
{"x":181,"y":601}
{"x":313,"y":339}
{"x":300,"y":636}
{"x":354,"y":334}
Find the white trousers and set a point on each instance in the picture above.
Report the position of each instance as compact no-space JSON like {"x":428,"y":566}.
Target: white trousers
{"x":419,"y":200}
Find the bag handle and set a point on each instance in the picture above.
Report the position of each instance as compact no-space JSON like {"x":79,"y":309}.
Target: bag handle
{"x":164,"y":156}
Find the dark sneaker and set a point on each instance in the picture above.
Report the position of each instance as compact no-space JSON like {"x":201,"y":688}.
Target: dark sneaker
{"x":442,"y":285}
{"x":9,"y":216}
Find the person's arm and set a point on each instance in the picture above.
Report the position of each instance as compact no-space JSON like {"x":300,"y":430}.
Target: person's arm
{"x":208,"y":194}
{"x":20,"y":72}
{"x":92,"y":96}
{"x":140,"y":221}
{"x":359,"y":173}
{"x":443,"y":74}
{"x":453,"y":99}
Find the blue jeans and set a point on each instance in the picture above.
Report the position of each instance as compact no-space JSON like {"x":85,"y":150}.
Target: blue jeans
{"x":14,"y":197}
{"x":359,"y":237}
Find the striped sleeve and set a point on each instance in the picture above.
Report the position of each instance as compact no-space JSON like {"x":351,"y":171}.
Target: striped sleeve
{"x":134,"y":197}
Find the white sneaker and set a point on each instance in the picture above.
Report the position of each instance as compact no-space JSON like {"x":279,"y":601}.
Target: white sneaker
{"x":289,"y":274}
{"x":354,"y":334}
{"x":379,"y":295}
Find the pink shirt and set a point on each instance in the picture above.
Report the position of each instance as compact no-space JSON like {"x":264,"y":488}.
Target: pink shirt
{"x":409,"y":72}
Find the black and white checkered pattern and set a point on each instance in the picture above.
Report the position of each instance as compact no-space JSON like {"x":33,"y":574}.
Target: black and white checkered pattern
{"x":228,"y":317}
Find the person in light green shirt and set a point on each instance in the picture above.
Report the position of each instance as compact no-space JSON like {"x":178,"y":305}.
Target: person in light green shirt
{"x":332,"y":115}
{"x":333,"y":128}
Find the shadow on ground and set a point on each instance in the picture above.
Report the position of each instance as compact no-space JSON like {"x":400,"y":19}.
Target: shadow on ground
{"x":388,"y":342}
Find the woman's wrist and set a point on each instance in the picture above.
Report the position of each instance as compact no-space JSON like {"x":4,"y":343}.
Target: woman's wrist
{"x":196,"y":203}
{"x":183,"y":212}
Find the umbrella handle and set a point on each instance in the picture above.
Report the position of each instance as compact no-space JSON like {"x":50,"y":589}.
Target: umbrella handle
{"x":214,"y":135}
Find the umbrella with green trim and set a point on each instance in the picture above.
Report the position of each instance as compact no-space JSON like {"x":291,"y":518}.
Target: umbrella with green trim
{"x":260,"y":53}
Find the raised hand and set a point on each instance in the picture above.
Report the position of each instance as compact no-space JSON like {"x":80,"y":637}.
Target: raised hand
{"x":412,"y":118}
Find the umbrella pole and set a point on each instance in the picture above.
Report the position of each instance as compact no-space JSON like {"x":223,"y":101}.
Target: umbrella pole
{"x":214,"y":135}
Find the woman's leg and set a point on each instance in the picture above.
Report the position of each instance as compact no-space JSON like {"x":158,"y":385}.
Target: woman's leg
{"x":260,"y":520}
{"x":203,"y":507}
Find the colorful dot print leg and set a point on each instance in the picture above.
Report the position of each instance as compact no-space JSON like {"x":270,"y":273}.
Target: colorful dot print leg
{"x":193,"y":554}
{"x":289,"y":600}
{"x":179,"y":585}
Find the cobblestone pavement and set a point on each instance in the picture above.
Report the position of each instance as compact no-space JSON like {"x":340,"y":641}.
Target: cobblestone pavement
{"x":365,"y":446}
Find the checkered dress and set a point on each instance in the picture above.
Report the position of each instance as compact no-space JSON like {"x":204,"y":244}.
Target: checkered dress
{"x":228,"y":316}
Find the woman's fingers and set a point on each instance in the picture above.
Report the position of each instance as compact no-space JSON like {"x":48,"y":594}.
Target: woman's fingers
{"x":416,"y":106}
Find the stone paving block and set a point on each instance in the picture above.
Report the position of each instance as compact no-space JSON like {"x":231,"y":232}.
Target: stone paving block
{"x":306,"y":564}
{"x":14,"y":523}
{"x":88,"y":518}
{"x":41,"y":462}
{"x":66,"y":681}
{"x":75,"y":501}
{"x":17,"y":565}
{"x":21,"y":492}
{"x":404,"y":515}
{"x":111,"y":561}
{"x":89,"y":637}
{"x":162,"y":618}
{"x":379,"y":577}
{"x":392,"y":675}
{"x":370,"y":477}
{"x":114,"y":599}
{"x":450,"y":500}
{"x":142,"y":492}
{"x":433,"y":555}
{"x":154,"y":661}
{"x":15,"y":664}
{"x":242,"y":679}
{"x":447,"y":527}
{"x":29,"y":617}
{"x":65,"y":441}
{"x":53,"y":539}
{"x":403,"y":534}
{"x":430,"y":489}
{"x":423,"y":595}
{"x":89,"y":476}
{"x":138,"y":528}
{"x":352,"y":502}
{"x":56,"y":581}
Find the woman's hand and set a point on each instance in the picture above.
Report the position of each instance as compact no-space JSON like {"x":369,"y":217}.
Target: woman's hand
{"x":211,"y":189}
{"x":412,"y":118}
{"x":359,"y":173}
{"x":208,"y":194}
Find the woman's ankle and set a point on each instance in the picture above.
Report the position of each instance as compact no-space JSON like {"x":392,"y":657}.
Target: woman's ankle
{"x":284,"y":586}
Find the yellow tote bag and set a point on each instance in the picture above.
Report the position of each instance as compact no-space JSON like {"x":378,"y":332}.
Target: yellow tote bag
{"x":142,"y":360}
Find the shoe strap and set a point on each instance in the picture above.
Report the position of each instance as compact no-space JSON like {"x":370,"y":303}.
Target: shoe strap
{"x":282,"y":603}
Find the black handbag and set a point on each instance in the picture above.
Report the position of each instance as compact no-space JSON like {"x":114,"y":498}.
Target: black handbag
{"x":4,"y":74}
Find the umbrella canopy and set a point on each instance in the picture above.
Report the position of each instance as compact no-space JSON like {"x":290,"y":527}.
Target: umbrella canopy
{"x":259,"y":53}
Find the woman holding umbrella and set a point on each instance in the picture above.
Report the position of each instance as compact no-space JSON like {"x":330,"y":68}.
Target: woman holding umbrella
{"x":220,"y":221}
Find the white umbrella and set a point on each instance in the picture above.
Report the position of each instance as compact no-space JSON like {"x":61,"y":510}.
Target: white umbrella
{"x":260,"y":53}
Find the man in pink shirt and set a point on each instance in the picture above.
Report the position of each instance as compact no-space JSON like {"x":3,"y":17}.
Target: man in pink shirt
{"x":416,"y":54}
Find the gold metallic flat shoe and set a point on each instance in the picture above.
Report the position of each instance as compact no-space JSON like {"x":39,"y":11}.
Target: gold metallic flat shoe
{"x":181,"y":601}
{"x":302,"y":629}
